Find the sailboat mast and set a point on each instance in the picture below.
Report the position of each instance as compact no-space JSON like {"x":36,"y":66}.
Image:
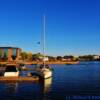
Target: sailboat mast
{"x":44,"y":41}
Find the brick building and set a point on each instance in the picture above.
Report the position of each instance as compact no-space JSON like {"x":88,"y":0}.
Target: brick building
{"x":10,"y":53}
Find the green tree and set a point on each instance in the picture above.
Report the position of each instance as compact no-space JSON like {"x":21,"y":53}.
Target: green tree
{"x":86,"y":57}
{"x":51,"y":58}
{"x":29,"y":56}
{"x":5,"y":56}
{"x":68,"y":57}
{"x":24,"y":55}
{"x":37,"y":56}
{"x":59,"y":58}
{"x":0,"y":54}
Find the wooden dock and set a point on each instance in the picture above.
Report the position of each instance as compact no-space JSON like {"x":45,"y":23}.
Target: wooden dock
{"x":19,"y":79}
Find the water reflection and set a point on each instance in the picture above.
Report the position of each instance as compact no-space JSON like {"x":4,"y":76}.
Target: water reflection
{"x":28,"y":90}
{"x":68,"y":80}
{"x":45,"y":87}
{"x":11,"y":87}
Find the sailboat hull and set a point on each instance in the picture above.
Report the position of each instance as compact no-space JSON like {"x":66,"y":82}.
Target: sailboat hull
{"x":46,"y":74}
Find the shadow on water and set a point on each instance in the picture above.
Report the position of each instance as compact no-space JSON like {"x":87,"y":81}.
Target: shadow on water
{"x":26,"y":91}
{"x":9,"y":91}
{"x":11,"y":87}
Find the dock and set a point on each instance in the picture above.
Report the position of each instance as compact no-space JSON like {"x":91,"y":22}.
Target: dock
{"x":19,"y":79}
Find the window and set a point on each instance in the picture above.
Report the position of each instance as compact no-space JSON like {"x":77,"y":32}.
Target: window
{"x":14,"y":52}
{"x":5,"y":52}
{"x":11,"y":69}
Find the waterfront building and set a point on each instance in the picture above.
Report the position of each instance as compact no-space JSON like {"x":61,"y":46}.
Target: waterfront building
{"x":10,"y":53}
{"x":96,"y":57}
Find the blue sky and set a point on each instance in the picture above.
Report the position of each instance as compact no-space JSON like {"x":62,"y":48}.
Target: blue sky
{"x":72,"y":26}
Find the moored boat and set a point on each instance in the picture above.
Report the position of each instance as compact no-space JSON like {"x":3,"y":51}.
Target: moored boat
{"x":44,"y":71}
{"x":11,"y":71}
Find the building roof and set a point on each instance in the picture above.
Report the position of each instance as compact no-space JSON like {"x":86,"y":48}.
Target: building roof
{"x":9,"y":48}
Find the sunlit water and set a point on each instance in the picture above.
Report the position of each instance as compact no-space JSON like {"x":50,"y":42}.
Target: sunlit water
{"x":68,"y":80}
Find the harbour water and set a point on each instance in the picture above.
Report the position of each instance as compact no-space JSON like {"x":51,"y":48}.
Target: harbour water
{"x":68,"y":82}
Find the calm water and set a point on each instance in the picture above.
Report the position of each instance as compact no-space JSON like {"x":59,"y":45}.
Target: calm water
{"x":68,"y":81}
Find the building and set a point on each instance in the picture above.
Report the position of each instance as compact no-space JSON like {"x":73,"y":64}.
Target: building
{"x":96,"y":57}
{"x":10,"y":53}
{"x":44,"y":58}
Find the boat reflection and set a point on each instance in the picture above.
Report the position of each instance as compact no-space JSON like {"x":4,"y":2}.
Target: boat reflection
{"x":46,"y":85}
{"x":11,"y":87}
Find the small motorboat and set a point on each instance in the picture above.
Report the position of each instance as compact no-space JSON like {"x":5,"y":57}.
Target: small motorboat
{"x":11,"y":71}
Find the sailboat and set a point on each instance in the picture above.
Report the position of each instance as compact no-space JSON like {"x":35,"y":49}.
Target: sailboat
{"x":43,"y":70}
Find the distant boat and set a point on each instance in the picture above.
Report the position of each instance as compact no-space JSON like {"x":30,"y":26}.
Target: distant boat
{"x":11,"y":71}
{"x":44,"y":71}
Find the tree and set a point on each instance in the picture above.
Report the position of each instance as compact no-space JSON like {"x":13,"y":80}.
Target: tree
{"x":70,"y":57}
{"x":59,"y":58}
{"x":51,"y":58}
{"x":37,"y":56}
{"x":29,"y":56}
{"x":87,"y":57}
{"x":5,"y":56}
{"x":24,"y":55}
{"x":0,"y":54}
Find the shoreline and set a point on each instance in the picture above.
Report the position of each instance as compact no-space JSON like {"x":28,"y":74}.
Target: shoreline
{"x":35,"y":62}
{"x":54,"y":62}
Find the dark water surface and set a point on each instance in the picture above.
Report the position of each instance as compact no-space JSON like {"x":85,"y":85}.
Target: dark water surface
{"x":68,"y":81}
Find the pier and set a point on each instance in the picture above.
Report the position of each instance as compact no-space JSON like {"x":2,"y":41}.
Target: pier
{"x":19,"y":79}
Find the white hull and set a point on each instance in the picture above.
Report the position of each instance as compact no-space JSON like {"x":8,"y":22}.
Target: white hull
{"x":11,"y":71}
{"x":11,"y":74}
{"x":44,"y":73}
{"x":47,"y":74}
